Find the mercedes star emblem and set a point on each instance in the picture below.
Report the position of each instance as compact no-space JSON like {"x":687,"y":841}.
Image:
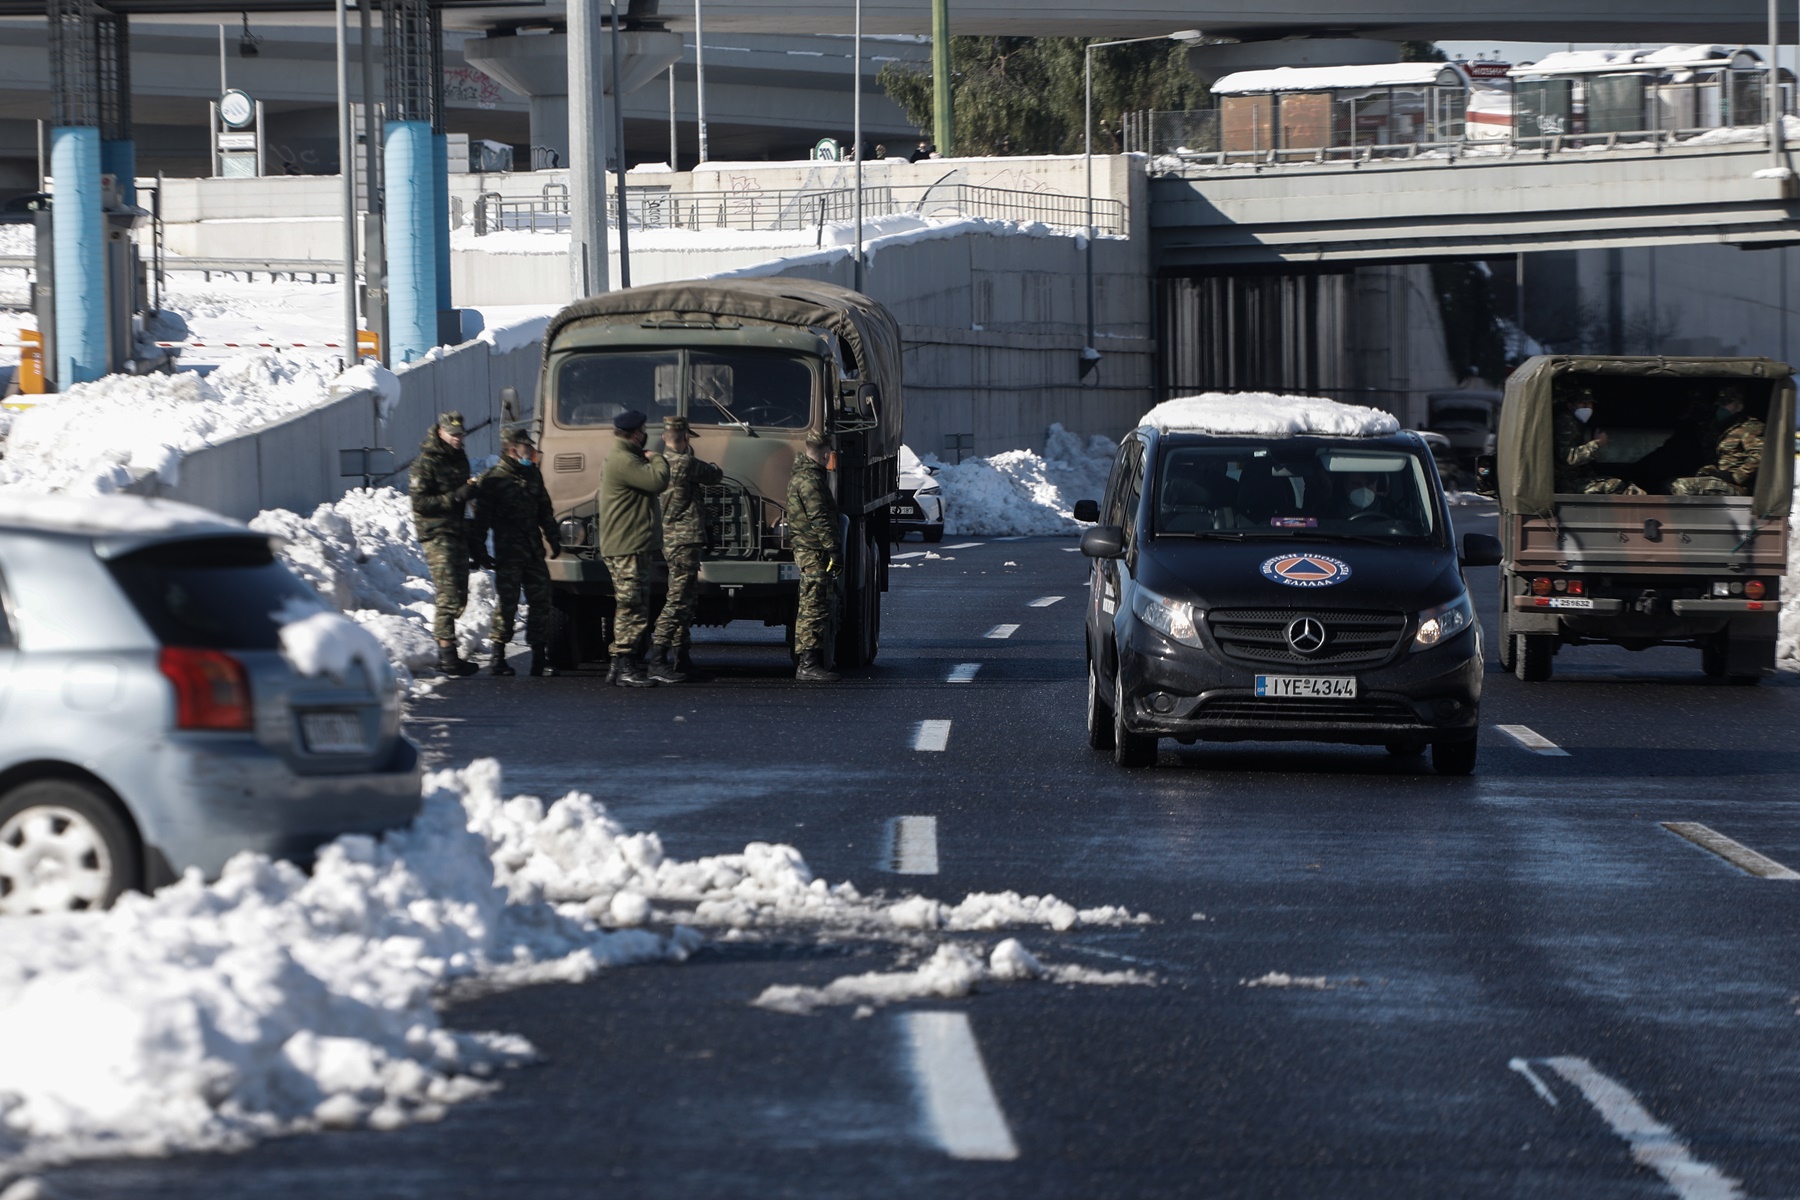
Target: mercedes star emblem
{"x":1306,"y":635}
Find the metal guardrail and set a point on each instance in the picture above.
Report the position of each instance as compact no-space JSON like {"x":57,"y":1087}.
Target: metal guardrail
{"x":315,"y":268}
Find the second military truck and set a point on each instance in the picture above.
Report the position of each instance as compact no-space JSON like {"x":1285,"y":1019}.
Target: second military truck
{"x":753,"y":365}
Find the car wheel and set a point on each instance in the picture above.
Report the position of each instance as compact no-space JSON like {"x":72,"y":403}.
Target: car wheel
{"x":933,"y":533}
{"x":64,"y":847}
{"x":1532,"y":653}
{"x":1130,"y":750}
{"x":1453,"y":758}
{"x":1099,"y":716}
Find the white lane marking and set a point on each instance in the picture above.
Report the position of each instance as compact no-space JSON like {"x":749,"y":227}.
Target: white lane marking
{"x":1735,"y":853}
{"x":1524,"y":1068}
{"x":908,"y":554}
{"x":965,"y":545}
{"x":931,"y":735}
{"x":1071,"y":549}
{"x":1043,"y":602}
{"x":1533,"y":741}
{"x":963,"y":673}
{"x":1653,"y":1144}
{"x":960,"y":1107}
{"x":915,"y":846}
{"x":1001,"y":631}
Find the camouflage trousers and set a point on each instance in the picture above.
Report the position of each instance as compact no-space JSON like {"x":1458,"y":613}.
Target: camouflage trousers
{"x":631,"y":609}
{"x":813,"y":620}
{"x":1599,"y":487}
{"x":448,"y":559}
{"x":513,"y":572}
{"x":1705,"y":485}
{"x":684,"y":587}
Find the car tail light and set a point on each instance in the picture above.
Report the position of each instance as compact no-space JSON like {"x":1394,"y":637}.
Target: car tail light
{"x":212,"y":690}
{"x":1755,"y":589}
{"x":1540,"y":586}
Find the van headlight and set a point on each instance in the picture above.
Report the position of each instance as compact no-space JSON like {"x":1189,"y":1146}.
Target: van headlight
{"x":1444,"y":622}
{"x":1174,"y":619}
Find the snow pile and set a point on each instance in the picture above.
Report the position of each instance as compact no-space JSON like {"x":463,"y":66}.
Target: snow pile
{"x":1787,"y":647}
{"x":370,"y":377}
{"x":1262,"y":414}
{"x":1021,"y":493}
{"x":1281,"y":979}
{"x":329,"y":643}
{"x":951,"y":973}
{"x":1727,"y":135}
{"x":361,"y":554}
{"x":118,"y":431}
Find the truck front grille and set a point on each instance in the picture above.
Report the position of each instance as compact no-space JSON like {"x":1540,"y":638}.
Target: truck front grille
{"x":1352,"y":639}
{"x":731,"y":525}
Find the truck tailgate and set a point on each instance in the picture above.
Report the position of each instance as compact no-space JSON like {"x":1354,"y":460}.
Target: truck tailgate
{"x":1652,"y":535}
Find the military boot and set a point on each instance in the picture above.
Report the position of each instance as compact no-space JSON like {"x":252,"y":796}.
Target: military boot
{"x":812,"y":669}
{"x":683,"y":659}
{"x":631,"y":672}
{"x":452,"y":663}
{"x":661,"y":669}
{"x":540,"y":661}
{"x":500,"y":665}
{"x":614,"y":669}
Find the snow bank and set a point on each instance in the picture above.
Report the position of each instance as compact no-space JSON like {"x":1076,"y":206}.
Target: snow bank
{"x":1021,"y":493}
{"x":1787,"y":648}
{"x":1262,"y":414}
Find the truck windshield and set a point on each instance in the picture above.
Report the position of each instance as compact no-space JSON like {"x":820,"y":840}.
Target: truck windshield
{"x":1295,"y":489}
{"x":592,"y":389}
{"x":745,"y":386}
{"x":737,"y":387}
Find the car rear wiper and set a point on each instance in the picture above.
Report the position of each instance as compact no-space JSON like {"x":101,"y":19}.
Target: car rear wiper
{"x":1230,"y":535}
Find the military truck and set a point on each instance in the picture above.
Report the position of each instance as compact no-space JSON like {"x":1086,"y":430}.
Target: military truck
{"x":1642,"y":570}
{"x":753,"y":365}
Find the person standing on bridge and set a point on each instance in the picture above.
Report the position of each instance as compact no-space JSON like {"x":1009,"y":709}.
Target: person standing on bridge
{"x":440,"y":487}
{"x":511,"y":500}
{"x":627,"y":531}
{"x":683,"y":537}
{"x":812,"y":519}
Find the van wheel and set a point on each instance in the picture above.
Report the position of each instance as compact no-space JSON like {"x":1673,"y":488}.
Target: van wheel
{"x":1533,"y":652}
{"x":64,"y":847}
{"x":1453,"y":758}
{"x":1130,"y":750}
{"x":1099,"y":716}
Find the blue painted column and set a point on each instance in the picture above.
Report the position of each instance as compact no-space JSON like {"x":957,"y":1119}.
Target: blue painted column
{"x":412,"y":252}
{"x":440,"y":218}
{"x":78,"y":253}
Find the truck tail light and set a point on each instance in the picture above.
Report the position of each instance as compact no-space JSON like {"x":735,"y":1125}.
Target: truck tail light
{"x":1755,"y":589}
{"x":212,"y":689}
{"x":1577,"y":587}
{"x":1540,"y":586}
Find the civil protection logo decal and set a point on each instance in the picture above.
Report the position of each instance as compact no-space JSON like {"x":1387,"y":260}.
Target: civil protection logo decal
{"x":1306,"y":570}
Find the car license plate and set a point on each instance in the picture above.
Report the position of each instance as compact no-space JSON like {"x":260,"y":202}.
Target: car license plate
{"x":903,"y":510}
{"x":1330,"y":687}
{"x":333,"y":733}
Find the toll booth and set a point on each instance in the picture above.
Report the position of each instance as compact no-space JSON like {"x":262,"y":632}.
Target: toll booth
{"x":127,"y":287}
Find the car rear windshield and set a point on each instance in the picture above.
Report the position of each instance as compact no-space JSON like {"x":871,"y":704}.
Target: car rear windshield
{"x":1294,"y":488}
{"x":215,"y":593}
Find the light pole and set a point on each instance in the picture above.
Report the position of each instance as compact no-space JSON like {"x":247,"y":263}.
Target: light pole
{"x":1090,"y":355}
{"x":699,"y":80}
{"x":856,"y":143}
{"x":618,"y":106}
{"x":347,"y":174}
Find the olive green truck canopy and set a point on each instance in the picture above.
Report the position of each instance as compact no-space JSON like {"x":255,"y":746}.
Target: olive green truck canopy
{"x":868,"y":333}
{"x":1524,"y":449}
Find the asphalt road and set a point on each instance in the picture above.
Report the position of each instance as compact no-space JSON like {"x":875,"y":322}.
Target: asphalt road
{"x":1523,"y":984}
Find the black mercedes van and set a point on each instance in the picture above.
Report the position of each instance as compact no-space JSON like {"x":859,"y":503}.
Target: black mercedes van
{"x":1290,"y":587}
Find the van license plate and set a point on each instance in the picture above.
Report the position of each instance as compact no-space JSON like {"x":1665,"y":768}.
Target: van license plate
{"x":333,"y":733}
{"x":1329,"y":687}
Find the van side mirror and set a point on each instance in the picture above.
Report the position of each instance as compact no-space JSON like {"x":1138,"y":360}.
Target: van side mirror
{"x":509,"y":406}
{"x":1487,"y":478}
{"x":1481,"y":550}
{"x":1104,"y":541}
{"x":1087,"y":510}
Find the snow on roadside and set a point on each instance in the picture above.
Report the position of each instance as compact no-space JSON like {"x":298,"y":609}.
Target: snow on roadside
{"x":1787,"y":646}
{"x":1022,"y":493}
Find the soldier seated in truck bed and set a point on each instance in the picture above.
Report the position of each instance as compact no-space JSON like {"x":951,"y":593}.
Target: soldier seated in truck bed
{"x":1737,"y":455}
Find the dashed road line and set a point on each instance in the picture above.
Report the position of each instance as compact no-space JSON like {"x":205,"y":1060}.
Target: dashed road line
{"x":1653,"y":1144}
{"x":963,"y":673}
{"x":965,"y":545}
{"x":1001,"y":631}
{"x":908,"y":554}
{"x":959,"y":1104}
{"x":914,"y":846}
{"x":1071,"y":549}
{"x":1043,"y":602}
{"x":1537,"y":1085}
{"x":931,"y":735}
{"x":1736,"y":853}
{"x":1533,"y":741}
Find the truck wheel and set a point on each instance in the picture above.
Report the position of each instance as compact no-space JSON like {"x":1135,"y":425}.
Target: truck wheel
{"x":64,"y":847}
{"x":1453,"y":758}
{"x":1533,"y":652}
{"x":1130,"y":750}
{"x":859,"y":632}
{"x":1505,"y":645}
{"x":1099,"y":715}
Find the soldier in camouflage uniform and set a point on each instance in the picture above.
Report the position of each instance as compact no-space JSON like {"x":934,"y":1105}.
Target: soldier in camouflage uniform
{"x":1576,"y":451}
{"x":441,"y":488}
{"x":1733,"y":469}
{"x":511,"y":501}
{"x":683,"y":537}
{"x":627,"y":532}
{"x":812,"y":518}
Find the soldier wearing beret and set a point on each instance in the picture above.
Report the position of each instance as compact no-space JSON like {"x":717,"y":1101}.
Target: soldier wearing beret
{"x":511,"y":501}
{"x":627,"y":534}
{"x":812,"y":519}
{"x":683,"y":538}
{"x":441,"y":487}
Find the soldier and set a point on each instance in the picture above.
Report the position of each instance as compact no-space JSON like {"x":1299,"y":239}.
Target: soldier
{"x":511,"y":501}
{"x":812,"y":518}
{"x":627,"y":531}
{"x":441,"y":487}
{"x":1733,"y":469}
{"x":1576,"y":451}
{"x":683,"y":537}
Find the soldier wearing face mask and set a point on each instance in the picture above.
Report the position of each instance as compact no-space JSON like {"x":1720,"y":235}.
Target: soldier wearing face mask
{"x":1578,"y":447}
{"x":1736,"y":457}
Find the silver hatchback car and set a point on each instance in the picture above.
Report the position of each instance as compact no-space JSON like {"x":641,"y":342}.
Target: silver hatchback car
{"x":150,"y":721}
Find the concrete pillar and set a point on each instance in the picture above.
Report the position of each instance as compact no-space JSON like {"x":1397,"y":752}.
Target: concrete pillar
{"x":78,"y":249}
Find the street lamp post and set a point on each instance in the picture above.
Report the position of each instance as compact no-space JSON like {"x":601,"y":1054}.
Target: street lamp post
{"x":856,"y":142}
{"x":699,"y":80}
{"x":1089,"y":354}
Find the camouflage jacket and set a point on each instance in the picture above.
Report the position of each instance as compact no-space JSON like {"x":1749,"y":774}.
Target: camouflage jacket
{"x":511,"y":501}
{"x":683,"y":513}
{"x":811,"y":510}
{"x":437,"y":474}
{"x":1740,"y":453}
{"x":628,"y":499}
{"x":1575,"y":450}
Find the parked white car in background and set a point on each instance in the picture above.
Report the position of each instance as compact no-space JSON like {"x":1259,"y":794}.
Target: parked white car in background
{"x":918,"y":506}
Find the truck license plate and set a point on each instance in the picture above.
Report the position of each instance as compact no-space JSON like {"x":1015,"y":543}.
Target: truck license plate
{"x":1330,"y":687}
{"x":333,"y":733}
{"x":1567,"y":602}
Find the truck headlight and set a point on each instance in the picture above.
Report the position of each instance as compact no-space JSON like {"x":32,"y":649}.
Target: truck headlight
{"x":574,"y":531}
{"x":1174,"y":619}
{"x":1444,"y":622}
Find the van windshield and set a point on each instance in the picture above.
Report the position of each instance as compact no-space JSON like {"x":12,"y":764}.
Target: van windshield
{"x":732,"y":387}
{"x":1295,"y":488}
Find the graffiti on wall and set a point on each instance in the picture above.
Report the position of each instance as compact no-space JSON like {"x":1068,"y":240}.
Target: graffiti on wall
{"x":471,"y":85}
